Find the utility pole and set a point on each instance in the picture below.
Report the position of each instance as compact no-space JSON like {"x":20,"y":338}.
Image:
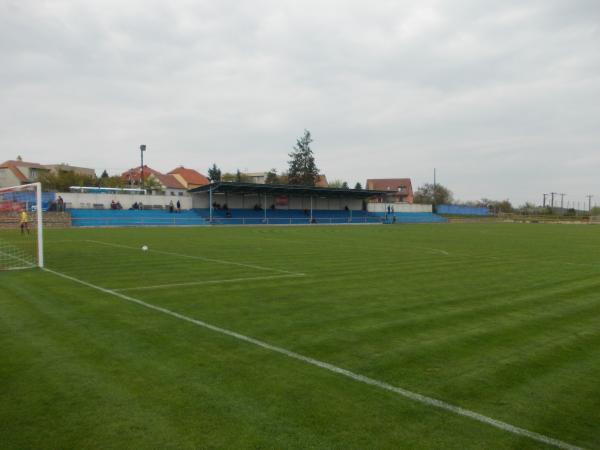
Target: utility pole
{"x":552,"y":194}
{"x":562,"y":197}
{"x":589,"y":197}
{"x":142,"y":150}
{"x":544,"y":204}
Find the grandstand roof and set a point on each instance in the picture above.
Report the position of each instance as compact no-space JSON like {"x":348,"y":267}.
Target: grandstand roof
{"x":285,"y":189}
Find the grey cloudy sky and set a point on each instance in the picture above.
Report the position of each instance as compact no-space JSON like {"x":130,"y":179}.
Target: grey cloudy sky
{"x":502,"y":97}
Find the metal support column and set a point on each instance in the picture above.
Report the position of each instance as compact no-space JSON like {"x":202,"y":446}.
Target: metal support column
{"x":210,"y":205}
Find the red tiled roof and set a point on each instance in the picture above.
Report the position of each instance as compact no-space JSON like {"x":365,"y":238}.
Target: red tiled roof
{"x":321,"y":181}
{"x":134,"y":174}
{"x":15,"y":163}
{"x":17,"y":173}
{"x":389,"y":184}
{"x":168,"y":181}
{"x":12,"y":165}
{"x":190,"y":176}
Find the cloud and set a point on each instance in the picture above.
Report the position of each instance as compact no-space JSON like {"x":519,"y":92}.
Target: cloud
{"x":501,"y":97}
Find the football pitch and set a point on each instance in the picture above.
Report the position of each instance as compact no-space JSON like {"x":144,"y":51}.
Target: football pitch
{"x":413,"y":336}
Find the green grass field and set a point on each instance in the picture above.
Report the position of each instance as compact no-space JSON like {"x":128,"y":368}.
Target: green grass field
{"x":501,"y":320}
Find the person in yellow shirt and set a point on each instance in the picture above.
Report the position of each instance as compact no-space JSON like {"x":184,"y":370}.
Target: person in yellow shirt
{"x":24,"y":221}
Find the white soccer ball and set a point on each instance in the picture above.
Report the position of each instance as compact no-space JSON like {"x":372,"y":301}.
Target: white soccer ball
{"x":144,"y":248}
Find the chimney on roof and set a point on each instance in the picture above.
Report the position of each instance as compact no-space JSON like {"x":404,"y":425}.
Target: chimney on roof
{"x":19,"y":158}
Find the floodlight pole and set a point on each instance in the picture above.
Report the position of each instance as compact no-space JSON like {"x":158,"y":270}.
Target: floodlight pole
{"x":142,"y":150}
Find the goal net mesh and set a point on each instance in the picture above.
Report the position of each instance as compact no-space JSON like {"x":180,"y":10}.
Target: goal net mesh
{"x":20,"y":227}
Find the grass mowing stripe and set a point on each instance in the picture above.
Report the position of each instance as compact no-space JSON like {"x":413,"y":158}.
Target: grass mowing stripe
{"x":324,"y":365}
{"x":202,"y":258}
{"x":198,"y":283}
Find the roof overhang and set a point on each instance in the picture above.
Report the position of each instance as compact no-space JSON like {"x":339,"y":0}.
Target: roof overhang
{"x":284,"y":189}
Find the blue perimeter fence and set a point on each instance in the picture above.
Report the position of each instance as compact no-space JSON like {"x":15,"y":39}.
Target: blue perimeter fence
{"x":195,"y":217}
{"x":462,"y":210}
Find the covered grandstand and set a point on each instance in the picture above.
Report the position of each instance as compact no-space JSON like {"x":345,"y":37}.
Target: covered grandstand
{"x":228,"y":203}
{"x":248,"y":203}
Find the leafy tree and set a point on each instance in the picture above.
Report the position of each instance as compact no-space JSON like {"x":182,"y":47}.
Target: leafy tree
{"x":426,"y":194}
{"x":345,"y":185}
{"x":229,"y":177}
{"x":62,"y":180}
{"x":237,"y":177}
{"x":151,"y":184}
{"x":114,"y":181}
{"x":284,"y":178}
{"x":358,"y":186}
{"x":336,"y":184}
{"x":214,"y":173}
{"x":302,"y":167}
{"x":104,"y":174}
{"x":272,"y":177}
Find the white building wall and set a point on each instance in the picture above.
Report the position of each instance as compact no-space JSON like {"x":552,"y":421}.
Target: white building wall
{"x":79,"y":200}
{"x":8,"y":179}
{"x":398,"y":207}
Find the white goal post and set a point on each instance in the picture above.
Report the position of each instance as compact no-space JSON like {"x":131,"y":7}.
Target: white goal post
{"x":21,"y":246}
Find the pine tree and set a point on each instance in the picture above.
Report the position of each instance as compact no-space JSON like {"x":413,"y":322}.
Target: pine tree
{"x":214,"y":174}
{"x":358,"y":186}
{"x":302,"y":167}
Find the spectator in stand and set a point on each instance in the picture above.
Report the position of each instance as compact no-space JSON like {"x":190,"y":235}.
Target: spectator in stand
{"x":178,"y":206}
{"x":171,"y":206}
{"x":113,"y":205}
{"x":134,"y":206}
{"x":119,"y":206}
{"x":60,"y":204}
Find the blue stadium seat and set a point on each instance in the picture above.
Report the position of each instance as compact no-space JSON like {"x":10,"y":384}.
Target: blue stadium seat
{"x":124,"y":218}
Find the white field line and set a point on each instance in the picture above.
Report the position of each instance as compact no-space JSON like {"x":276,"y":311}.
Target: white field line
{"x":30,"y":264}
{"x":437,"y":250}
{"x":429,"y":401}
{"x":201,"y":258}
{"x":197,"y":283}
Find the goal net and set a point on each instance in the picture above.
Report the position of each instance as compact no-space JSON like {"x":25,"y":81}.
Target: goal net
{"x":21,"y":239}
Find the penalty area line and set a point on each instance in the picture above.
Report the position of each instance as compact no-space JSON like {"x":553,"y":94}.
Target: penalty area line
{"x":197,"y":283}
{"x":201,"y":258}
{"x":429,"y":401}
